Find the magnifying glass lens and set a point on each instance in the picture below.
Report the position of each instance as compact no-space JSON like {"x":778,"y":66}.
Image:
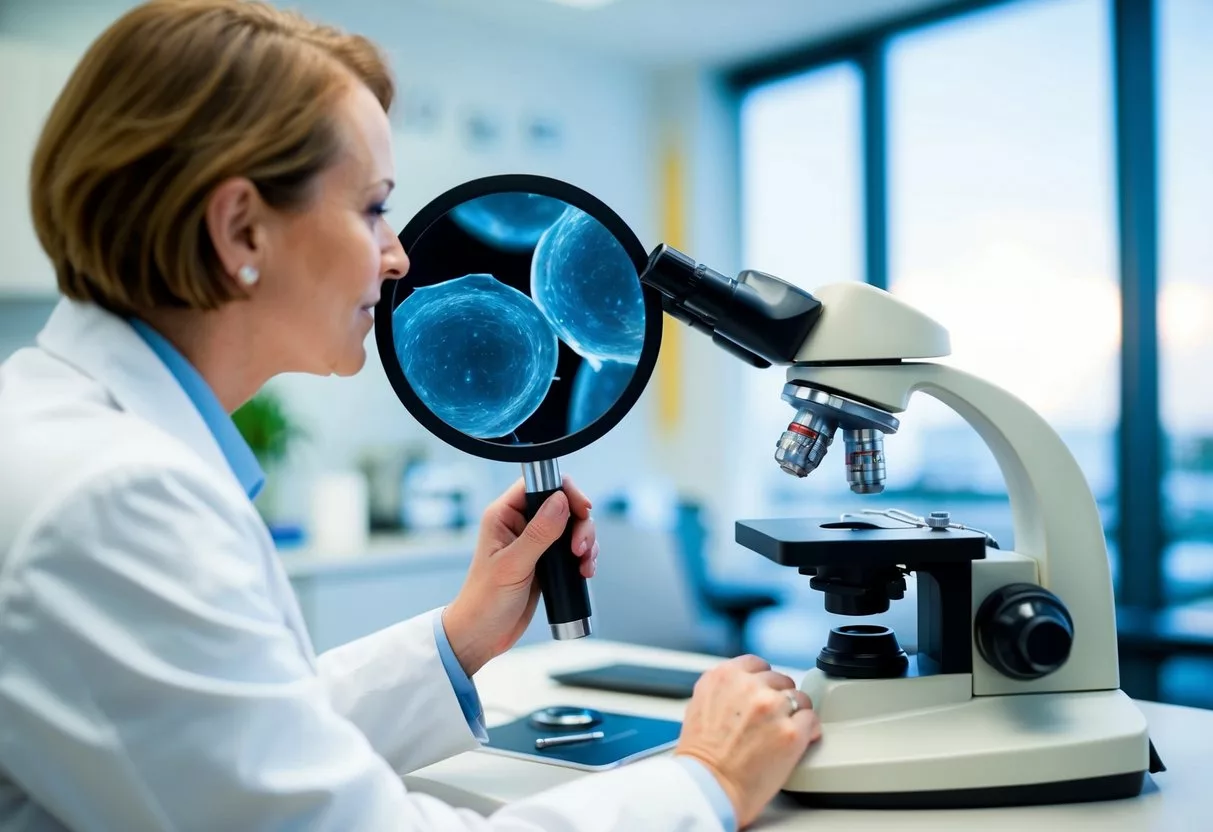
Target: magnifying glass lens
{"x":522,"y":333}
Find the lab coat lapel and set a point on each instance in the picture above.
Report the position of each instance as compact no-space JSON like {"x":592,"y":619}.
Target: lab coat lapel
{"x":106,"y":348}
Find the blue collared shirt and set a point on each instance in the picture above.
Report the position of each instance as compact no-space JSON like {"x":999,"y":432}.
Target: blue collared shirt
{"x":239,"y":456}
{"x":251,"y":477}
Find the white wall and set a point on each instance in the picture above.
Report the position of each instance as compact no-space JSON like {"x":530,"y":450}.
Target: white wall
{"x":464,"y":69}
{"x":610,"y":115}
{"x":20,"y":321}
{"x":698,"y":112}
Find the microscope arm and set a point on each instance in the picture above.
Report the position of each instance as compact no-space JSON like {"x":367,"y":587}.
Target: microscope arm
{"x":1056,"y":520}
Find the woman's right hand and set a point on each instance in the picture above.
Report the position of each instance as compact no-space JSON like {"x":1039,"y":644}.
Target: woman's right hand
{"x":740,"y":725}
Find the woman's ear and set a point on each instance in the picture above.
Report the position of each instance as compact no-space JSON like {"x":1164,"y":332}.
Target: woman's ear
{"x":233,"y":216}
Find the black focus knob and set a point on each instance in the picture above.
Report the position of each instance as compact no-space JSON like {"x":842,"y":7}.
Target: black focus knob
{"x":1024,"y":631}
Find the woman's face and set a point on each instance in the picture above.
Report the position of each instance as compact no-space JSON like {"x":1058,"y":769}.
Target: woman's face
{"x":324,"y":265}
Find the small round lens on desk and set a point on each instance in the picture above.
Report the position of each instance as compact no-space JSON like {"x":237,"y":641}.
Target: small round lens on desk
{"x":522,"y":333}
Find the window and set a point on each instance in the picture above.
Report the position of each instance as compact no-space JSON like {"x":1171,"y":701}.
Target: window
{"x":1185,"y":326}
{"x":802,"y":221}
{"x":1000,"y":191}
{"x":1002,"y":227}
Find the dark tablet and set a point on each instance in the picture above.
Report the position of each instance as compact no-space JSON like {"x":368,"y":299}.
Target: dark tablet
{"x":646,"y":680}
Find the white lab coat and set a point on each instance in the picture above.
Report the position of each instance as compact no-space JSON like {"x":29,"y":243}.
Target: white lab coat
{"x":155,"y":672}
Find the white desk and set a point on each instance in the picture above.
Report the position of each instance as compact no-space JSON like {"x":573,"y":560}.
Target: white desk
{"x":1180,"y":799}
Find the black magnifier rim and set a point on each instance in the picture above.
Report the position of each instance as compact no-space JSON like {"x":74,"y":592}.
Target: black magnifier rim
{"x":651,"y":348}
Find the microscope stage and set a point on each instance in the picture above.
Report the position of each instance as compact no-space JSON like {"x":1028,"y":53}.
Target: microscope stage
{"x":824,"y":542}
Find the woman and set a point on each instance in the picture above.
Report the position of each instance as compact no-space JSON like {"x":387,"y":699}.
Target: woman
{"x":210,"y":189}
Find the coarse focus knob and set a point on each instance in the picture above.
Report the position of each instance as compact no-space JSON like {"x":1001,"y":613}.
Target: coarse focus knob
{"x":1024,"y":631}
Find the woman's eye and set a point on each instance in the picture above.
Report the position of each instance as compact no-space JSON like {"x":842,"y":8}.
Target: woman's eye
{"x":377,"y":210}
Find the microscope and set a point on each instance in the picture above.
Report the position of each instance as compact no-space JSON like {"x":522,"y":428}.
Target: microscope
{"x":1012,"y":694}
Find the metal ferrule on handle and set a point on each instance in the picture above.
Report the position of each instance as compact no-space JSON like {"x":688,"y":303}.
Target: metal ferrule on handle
{"x":565,"y":594}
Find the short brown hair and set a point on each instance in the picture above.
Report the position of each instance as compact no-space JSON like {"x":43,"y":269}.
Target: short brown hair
{"x":173,"y":98}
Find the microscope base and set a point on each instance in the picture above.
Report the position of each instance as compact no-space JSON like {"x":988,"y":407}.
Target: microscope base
{"x":926,"y":743}
{"x":1111,"y":787}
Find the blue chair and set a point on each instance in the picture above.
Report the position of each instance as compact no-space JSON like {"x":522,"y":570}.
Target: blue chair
{"x":735,"y":604}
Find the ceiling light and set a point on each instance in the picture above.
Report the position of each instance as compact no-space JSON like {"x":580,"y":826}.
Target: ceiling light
{"x":583,"y":4}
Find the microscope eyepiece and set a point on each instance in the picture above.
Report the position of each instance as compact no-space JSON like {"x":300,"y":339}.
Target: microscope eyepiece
{"x":758,"y":317}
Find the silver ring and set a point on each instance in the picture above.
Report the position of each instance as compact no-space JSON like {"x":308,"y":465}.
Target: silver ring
{"x":794,"y":701}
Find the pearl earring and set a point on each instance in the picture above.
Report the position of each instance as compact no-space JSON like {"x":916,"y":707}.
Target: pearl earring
{"x":248,"y":275}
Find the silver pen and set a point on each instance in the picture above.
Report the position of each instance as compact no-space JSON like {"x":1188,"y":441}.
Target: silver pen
{"x":566,"y":739}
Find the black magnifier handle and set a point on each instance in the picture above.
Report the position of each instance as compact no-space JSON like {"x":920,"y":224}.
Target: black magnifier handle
{"x":565,"y":594}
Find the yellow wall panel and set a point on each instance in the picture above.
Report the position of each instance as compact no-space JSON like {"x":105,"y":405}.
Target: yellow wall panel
{"x":669,"y":372}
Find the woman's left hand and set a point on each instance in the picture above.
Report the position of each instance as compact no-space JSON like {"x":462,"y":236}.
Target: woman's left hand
{"x":499,"y":596}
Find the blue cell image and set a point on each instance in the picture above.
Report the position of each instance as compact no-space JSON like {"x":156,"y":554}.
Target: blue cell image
{"x":510,"y":221}
{"x":586,"y":285}
{"x":595,"y":389}
{"x":478,"y":353}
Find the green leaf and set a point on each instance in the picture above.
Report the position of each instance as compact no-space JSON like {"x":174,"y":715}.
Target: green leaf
{"x":267,"y":427}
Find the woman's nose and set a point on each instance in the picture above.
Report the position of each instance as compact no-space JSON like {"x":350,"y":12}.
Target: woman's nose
{"x":395,"y":261}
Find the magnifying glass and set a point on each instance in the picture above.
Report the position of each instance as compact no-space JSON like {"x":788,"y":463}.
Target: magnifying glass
{"x":522,"y":333}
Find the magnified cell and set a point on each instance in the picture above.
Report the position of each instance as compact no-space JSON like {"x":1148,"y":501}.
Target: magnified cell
{"x":510,"y":221}
{"x":586,"y":285}
{"x":595,"y":389}
{"x":478,"y":353}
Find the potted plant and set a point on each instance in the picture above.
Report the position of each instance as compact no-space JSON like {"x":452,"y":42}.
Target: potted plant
{"x":271,"y":433}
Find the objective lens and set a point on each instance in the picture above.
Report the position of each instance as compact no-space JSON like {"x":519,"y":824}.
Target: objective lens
{"x":804,"y":444}
{"x":865,"y":460}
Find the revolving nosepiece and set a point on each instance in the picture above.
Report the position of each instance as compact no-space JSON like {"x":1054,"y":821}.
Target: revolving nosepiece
{"x":819,"y":414}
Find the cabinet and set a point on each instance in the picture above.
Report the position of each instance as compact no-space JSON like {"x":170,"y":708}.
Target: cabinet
{"x":343,"y":599}
{"x":341,"y":606}
{"x":31,"y":76}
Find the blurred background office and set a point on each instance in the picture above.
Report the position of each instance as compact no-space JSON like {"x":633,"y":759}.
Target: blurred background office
{"x":1036,"y":174}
